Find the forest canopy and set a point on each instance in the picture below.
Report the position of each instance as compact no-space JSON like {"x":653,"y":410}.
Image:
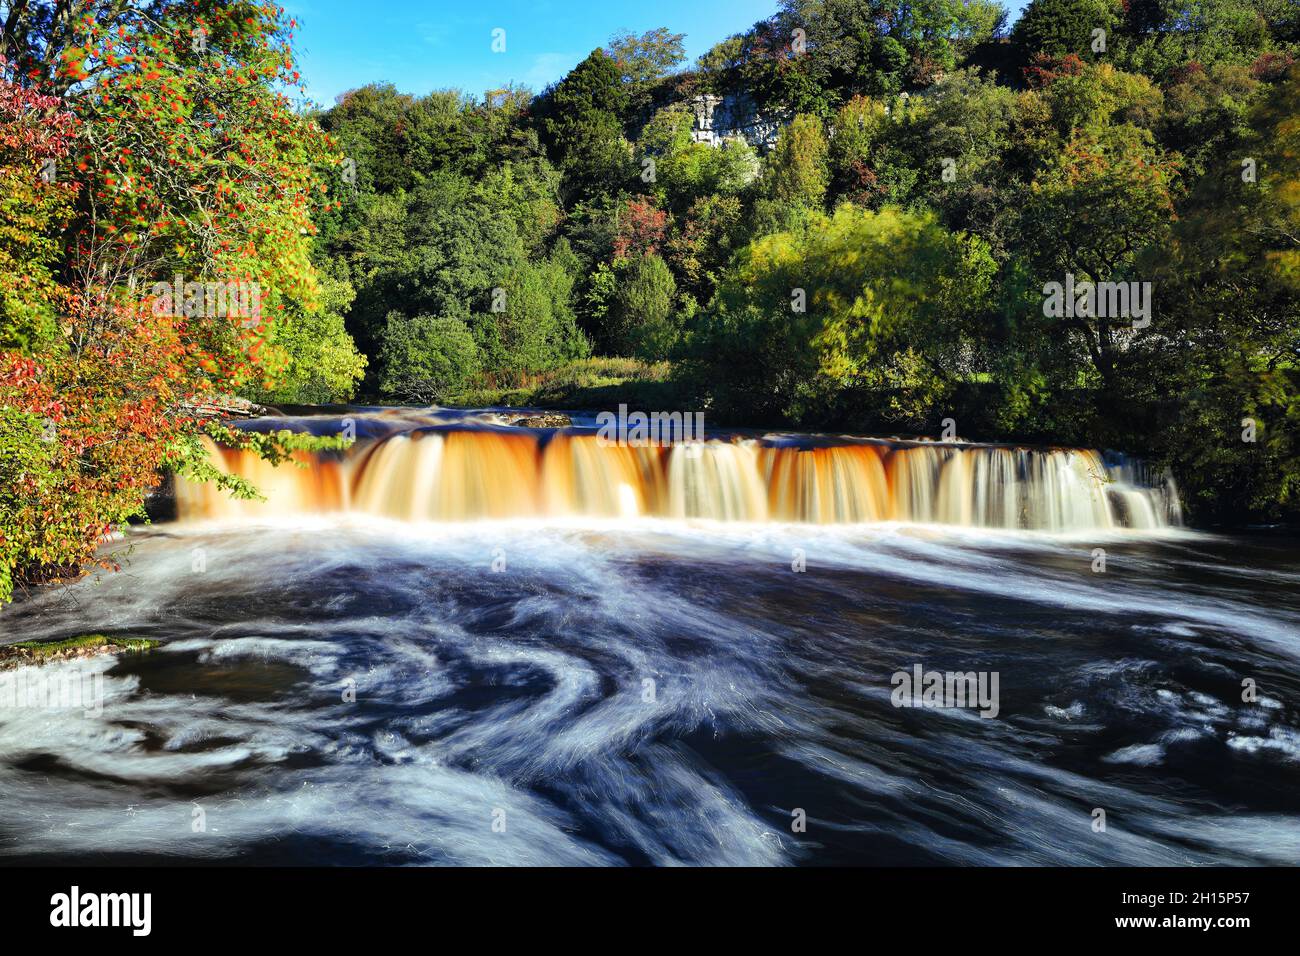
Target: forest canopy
{"x":920,"y":173}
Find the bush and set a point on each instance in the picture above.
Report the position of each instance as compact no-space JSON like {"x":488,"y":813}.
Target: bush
{"x":641,"y":317}
{"x":885,"y":303}
{"x":317,"y":358}
{"x":427,"y":358}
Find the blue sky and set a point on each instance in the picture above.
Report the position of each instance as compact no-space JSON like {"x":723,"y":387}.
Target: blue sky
{"x":423,"y":46}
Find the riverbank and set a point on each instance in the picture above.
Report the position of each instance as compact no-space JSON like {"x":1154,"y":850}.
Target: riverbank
{"x":593,"y":383}
{"x":35,"y":653}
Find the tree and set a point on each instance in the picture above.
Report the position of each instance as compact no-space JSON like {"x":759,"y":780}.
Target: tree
{"x":316,"y":361}
{"x":1232,"y":275}
{"x":1107,"y":201}
{"x":1060,"y":27}
{"x":436,"y":251}
{"x":796,"y":172}
{"x":1206,"y":112}
{"x":641,"y":60}
{"x":640,"y":229}
{"x":946,"y":150}
{"x":641,"y":316}
{"x":537,"y":326}
{"x":186,"y":161}
{"x":583,"y":119}
{"x":703,"y":244}
{"x":847,"y":47}
{"x":426,"y":359}
{"x":859,"y":126}
{"x":684,"y":170}
{"x":36,"y":136}
{"x":528,"y":192}
{"x":1161,"y":36}
{"x":885,"y":303}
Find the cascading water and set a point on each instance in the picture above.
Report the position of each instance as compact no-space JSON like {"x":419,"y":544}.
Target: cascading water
{"x":461,"y":473}
{"x":372,"y":677}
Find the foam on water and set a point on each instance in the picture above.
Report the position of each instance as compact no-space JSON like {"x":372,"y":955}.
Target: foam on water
{"x":524,"y":690}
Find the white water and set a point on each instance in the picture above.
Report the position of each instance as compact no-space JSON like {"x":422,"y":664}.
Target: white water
{"x":462,"y":473}
{"x":522,"y":690}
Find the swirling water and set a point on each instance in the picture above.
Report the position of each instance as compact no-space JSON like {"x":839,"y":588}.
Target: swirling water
{"x":663,"y":692}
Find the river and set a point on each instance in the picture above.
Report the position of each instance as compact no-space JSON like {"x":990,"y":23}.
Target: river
{"x":601,"y":660}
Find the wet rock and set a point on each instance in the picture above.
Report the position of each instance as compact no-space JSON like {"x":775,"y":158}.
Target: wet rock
{"x":160,"y":502}
{"x":544,"y":421}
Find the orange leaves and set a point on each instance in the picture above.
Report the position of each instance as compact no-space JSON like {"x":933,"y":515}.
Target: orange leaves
{"x":204,"y":171}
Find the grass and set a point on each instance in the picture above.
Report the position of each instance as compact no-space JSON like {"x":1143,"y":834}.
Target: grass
{"x":593,"y":383}
{"x":39,"y":651}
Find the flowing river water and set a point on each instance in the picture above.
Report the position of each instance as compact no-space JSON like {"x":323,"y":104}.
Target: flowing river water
{"x":467,"y":643}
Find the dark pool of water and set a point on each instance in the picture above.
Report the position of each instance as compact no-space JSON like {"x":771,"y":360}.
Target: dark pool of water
{"x":664,"y":694}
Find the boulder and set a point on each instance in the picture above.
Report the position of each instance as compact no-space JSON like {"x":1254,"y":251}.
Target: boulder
{"x":551,"y":420}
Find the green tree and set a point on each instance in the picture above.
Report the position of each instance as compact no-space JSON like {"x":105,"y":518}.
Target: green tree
{"x":1162,"y":36}
{"x":438,"y":252}
{"x":1106,"y":202}
{"x":529,"y":194}
{"x":317,"y":359}
{"x":684,"y":170}
{"x":1206,"y":112}
{"x":583,"y":118}
{"x":796,"y":172}
{"x":858,"y":128}
{"x":642,"y":60}
{"x":1055,"y":28}
{"x":704,"y":243}
{"x":427,"y":359}
{"x":537,"y":325}
{"x":641,"y":321}
{"x":1232,"y":330}
{"x":845,"y":47}
{"x":883,"y":303}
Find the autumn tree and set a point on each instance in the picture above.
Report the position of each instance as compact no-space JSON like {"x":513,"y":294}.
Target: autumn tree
{"x":190,"y":169}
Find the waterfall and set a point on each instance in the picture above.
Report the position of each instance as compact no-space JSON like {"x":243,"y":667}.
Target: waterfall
{"x":469,"y":473}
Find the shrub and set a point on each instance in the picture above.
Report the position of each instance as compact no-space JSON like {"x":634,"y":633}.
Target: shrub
{"x":427,"y":358}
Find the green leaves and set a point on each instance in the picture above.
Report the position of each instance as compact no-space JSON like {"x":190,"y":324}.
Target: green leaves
{"x":796,"y":173}
{"x":426,"y":359}
{"x":583,"y":118}
{"x":1057,"y":28}
{"x":858,"y":301}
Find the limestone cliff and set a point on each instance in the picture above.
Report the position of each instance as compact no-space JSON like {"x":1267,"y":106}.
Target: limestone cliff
{"x":720,"y":117}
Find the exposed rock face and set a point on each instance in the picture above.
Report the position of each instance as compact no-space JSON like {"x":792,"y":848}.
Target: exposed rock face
{"x":721,"y":117}
{"x":160,"y":502}
{"x":544,"y":421}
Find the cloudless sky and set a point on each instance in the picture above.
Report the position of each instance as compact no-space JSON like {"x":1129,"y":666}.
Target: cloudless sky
{"x":437,"y":44}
